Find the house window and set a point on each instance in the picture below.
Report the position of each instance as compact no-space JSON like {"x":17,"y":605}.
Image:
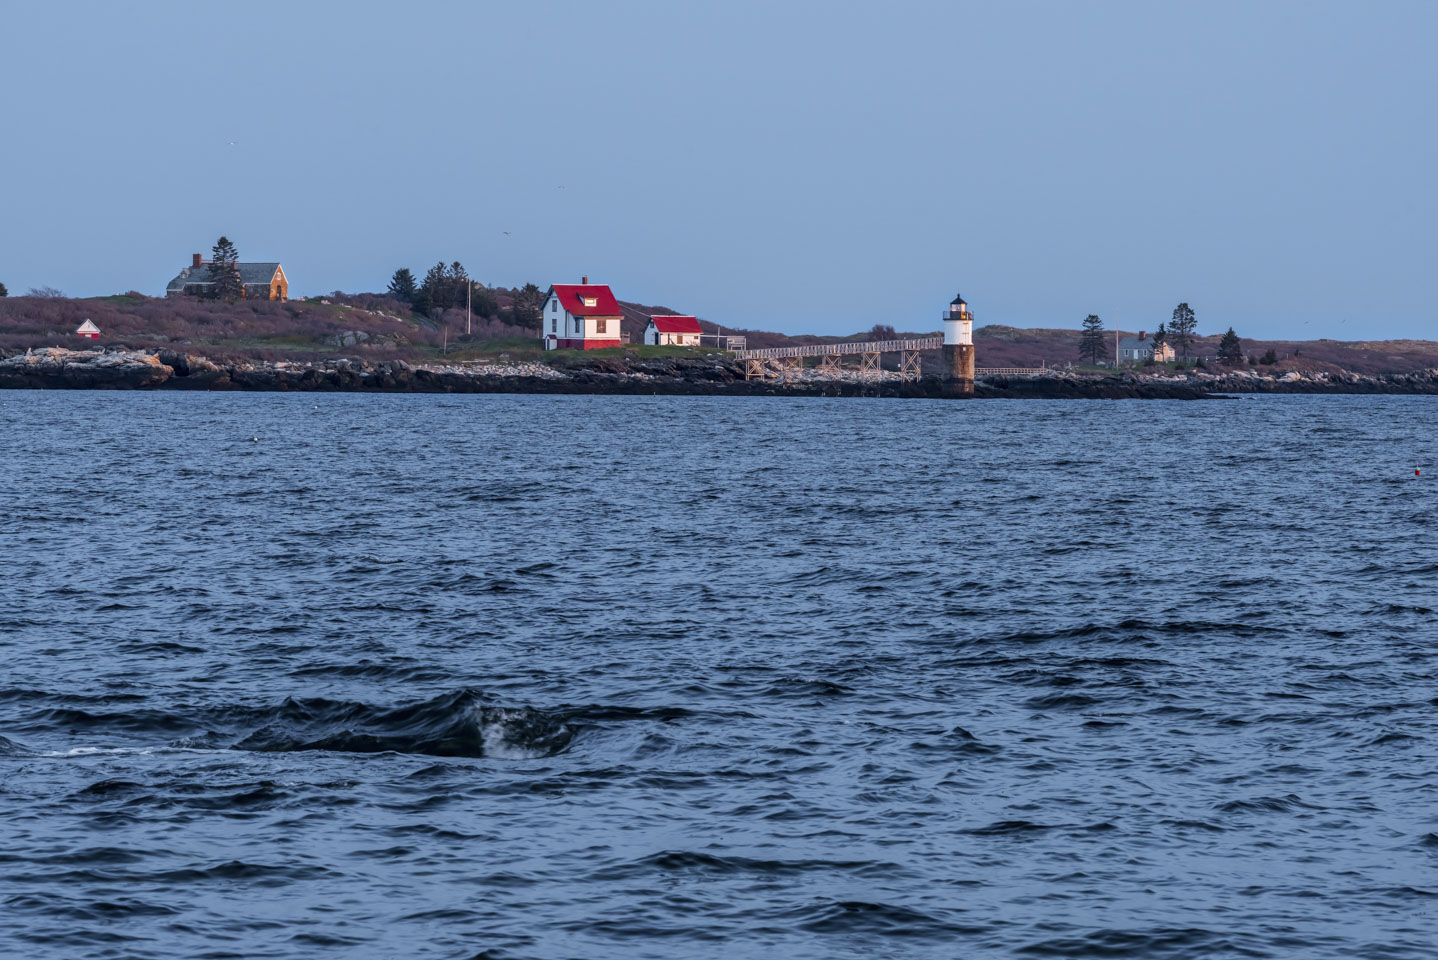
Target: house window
{"x":590,"y":301}
{"x":553,"y":324}
{"x":554,"y":305}
{"x":603,"y":325}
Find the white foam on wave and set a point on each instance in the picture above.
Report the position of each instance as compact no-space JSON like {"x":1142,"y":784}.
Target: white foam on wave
{"x":121,"y":751}
{"x":494,"y":736}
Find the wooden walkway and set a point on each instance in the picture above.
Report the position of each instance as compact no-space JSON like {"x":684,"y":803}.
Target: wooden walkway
{"x":840,"y":349}
{"x":791,"y":359}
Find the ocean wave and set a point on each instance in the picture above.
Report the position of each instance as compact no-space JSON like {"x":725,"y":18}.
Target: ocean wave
{"x":9,"y":748}
{"x":453,"y":725}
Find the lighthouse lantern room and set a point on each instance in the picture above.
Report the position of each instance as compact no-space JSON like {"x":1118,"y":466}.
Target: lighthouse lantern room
{"x":958,"y":323}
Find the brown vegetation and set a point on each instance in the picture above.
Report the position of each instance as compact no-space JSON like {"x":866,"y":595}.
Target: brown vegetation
{"x":301,"y":329}
{"x":312,"y":329}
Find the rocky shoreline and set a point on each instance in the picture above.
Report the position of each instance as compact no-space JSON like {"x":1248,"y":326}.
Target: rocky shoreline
{"x":59,"y":368}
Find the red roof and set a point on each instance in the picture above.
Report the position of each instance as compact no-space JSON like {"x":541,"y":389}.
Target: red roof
{"x":573,"y":295}
{"x":673,"y":324}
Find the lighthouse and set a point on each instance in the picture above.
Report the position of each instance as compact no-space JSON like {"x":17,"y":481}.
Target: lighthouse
{"x":959,"y":346}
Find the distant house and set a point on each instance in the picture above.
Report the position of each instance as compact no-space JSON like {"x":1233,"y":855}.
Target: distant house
{"x":258,"y":281}
{"x":581,"y":316}
{"x":1141,"y":348}
{"x":672,"y":330}
{"x":88,"y":330}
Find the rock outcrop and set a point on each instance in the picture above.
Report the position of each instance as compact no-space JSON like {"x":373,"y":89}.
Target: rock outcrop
{"x":123,"y":369}
{"x":57,"y":367}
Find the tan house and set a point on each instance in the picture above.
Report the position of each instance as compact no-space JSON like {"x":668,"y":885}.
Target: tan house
{"x":258,"y":281}
{"x":1142,"y":348}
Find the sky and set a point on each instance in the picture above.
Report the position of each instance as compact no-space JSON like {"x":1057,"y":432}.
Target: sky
{"x":803,"y":167}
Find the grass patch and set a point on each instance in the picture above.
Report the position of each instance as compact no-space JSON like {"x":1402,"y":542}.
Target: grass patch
{"x":639,"y":350}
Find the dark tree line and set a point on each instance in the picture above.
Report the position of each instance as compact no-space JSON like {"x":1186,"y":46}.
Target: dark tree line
{"x":3,"y":291}
{"x":444,"y":287}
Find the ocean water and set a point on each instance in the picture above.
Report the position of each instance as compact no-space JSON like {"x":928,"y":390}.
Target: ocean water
{"x":554,"y":677}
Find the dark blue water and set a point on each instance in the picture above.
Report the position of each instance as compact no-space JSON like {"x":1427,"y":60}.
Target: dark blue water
{"x":552,"y":677}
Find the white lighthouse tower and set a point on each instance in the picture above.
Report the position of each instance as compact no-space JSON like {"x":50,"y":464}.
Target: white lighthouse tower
{"x":959,"y":345}
{"x":958,"y":323}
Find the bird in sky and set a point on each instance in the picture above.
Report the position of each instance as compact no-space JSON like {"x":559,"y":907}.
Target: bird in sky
{"x":506,"y":233}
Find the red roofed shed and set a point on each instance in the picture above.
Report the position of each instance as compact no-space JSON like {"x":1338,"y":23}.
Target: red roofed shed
{"x":673,"y":330}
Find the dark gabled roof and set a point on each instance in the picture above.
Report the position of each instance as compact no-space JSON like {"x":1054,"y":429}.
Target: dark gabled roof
{"x":958,"y":301}
{"x":250,"y":273}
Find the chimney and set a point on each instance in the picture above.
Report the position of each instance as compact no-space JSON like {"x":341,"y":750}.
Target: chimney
{"x":584,"y":280}
{"x":1143,"y":334}
{"x":197,"y":261}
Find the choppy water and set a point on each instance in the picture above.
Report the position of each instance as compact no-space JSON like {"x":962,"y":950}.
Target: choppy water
{"x":550,"y":677}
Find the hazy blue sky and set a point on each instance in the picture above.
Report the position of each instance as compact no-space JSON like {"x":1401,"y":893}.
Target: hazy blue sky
{"x":809,"y":167}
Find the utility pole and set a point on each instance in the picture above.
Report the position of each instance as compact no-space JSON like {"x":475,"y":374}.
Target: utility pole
{"x":468,"y":303}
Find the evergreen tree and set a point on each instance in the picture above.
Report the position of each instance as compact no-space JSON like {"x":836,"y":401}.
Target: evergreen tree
{"x":484,"y":303}
{"x":434,"y":294}
{"x":1181,"y":330}
{"x":1230,"y":351}
{"x":458,"y":283}
{"x":528,"y":306}
{"x":1269,"y":358}
{"x":401,"y":285}
{"x":3,"y":291}
{"x":225,"y":272}
{"x":1091,"y":342}
{"x":1160,"y":337}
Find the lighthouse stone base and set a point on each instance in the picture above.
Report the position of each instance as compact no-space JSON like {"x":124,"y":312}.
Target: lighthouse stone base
{"x":959,"y":367}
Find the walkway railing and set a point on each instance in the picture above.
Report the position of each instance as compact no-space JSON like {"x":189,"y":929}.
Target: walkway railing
{"x":840,"y":349}
{"x":1010,"y":371}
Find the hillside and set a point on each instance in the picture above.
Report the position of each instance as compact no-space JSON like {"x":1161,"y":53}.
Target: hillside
{"x":1000,"y":346}
{"x":377,"y":327}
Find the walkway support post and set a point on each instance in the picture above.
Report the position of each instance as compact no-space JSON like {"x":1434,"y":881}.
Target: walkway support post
{"x":909,"y":366}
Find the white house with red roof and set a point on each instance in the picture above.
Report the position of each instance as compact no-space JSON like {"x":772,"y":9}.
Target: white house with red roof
{"x":672,"y":330}
{"x":581,"y":316}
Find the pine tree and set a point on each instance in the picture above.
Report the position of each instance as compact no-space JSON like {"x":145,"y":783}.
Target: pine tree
{"x":1091,"y":342}
{"x":401,"y":285}
{"x":1182,"y":328}
{"x":484,"y":303}
{"x":225,"y":272}
{"x":3,"y":291}
{"x":528,"y":306}
{"x":1230,"y":351}
{"x":458,"y":280}
{"x":434,"y":295}
{"x":1160,"y":337}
